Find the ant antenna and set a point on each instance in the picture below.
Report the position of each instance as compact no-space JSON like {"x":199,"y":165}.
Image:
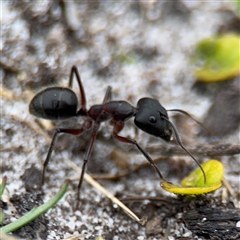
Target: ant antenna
{"x":190,"y":116}
{"x":181,"y":145}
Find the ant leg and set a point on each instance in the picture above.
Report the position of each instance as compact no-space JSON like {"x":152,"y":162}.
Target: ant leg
{"x":90,"y":146}
{"x":118,"y":126}
{"x":83,"y":100}
{"x":107,"y":96}
{"x":86,"y":158}
{"x":59,"y":130}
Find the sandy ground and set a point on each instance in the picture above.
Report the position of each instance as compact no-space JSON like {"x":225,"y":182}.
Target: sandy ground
{"x":141,"y":49}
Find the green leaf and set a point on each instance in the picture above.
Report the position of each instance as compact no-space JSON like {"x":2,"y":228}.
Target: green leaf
{"x":194,"y":182}
{"x":218,"y":57}
{"x":2,"y":216}
{"x":237,"y":7}
{"x":35,"y":212}
{"x":2,"y":186}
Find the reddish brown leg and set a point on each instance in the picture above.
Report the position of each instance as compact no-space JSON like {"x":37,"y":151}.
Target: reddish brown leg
{"x":83,"y":101}
{"x":107,"y":96}
{"x":86,"y":158}
{"x":90,"y":147}
{"x":118,"y":126}
{"x":59,"y":130}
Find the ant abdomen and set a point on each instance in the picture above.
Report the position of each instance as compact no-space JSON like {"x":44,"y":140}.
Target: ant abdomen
{"x":54,"y":103}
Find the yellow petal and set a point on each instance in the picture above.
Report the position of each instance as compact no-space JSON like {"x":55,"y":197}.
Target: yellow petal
{"x":188,"y":190}
{"x":214,"y":173}
{"x":218,"y":57}
{"x":194,"y":182}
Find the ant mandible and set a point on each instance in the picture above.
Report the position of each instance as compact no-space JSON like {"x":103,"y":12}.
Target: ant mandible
{"x":58,"y":103}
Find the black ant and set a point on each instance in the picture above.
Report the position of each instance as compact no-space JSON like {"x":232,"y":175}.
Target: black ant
{"x":58,"y":103}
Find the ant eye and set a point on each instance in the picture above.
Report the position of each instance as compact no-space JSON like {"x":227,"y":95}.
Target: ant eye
{"x":152,"y":119}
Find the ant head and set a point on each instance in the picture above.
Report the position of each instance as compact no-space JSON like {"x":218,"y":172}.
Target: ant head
{"x":151,"y":118}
